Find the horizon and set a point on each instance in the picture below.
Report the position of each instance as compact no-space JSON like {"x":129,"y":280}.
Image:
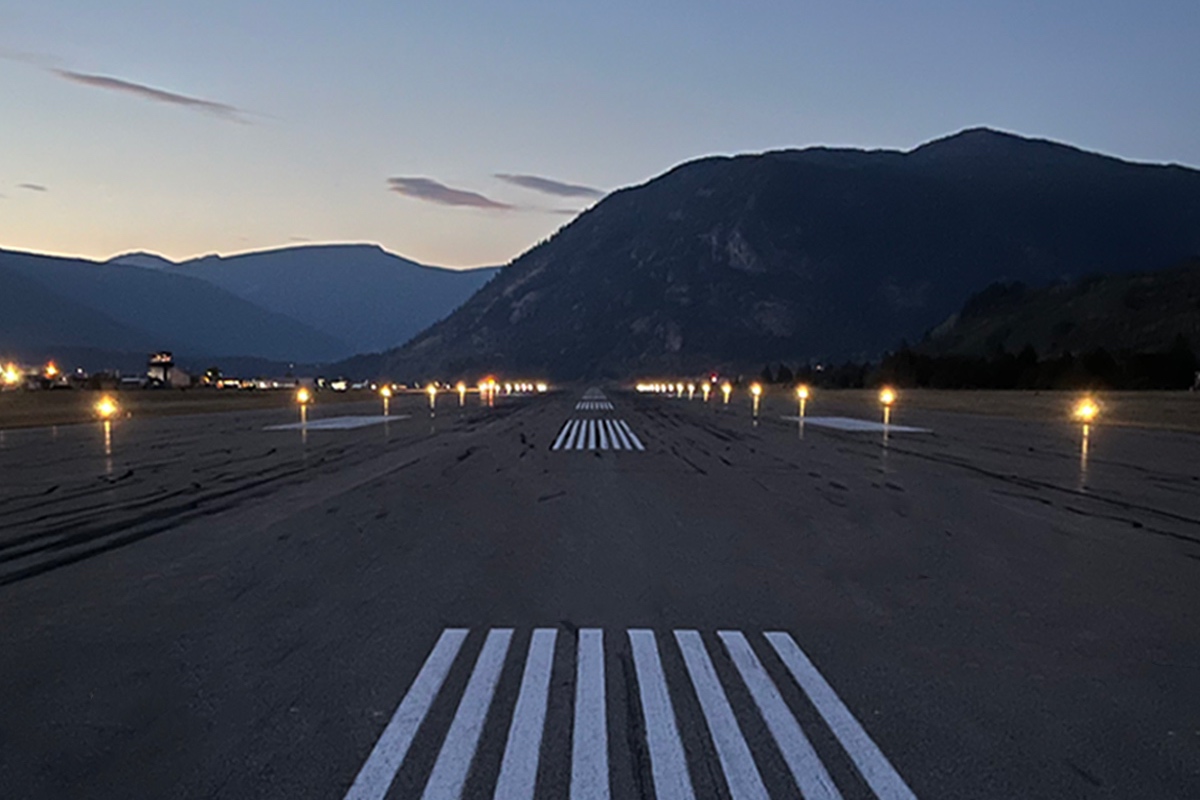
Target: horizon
{"x":298,"y":244}
{"x":461,"y":137}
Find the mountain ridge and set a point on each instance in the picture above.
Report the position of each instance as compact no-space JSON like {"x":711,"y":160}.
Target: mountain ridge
{"x":802,"y":254}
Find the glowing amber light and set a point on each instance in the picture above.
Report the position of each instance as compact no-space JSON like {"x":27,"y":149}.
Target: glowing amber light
{"x":51,"y":370}
{"x":431,"y":389}
{"x":386,"y":391}
{"x":11,"y":374}
{"x":726,"y":389}
{"x":1086,"y":410}
{"x":887,"y":396}
{"x":106,"y":407}
{"x":802,"y":392}
{"x":303,"y":396}
{"x":756,"y":390}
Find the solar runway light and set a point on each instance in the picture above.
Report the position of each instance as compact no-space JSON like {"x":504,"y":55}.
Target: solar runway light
{"x":1086,"y":411}
{"x":802,"y":398}
{"x":386,"y":393}
{"x":887,"y":398}
{"x":303,"y":398}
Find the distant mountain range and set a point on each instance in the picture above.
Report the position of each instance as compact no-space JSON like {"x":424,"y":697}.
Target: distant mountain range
{"x":361,"y":295}
{"x":1131,"y":313}
{"x":799,"y":254}
{"x":300,"y":304}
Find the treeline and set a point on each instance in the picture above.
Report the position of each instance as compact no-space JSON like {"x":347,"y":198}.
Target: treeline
{"x":1174,"y":368}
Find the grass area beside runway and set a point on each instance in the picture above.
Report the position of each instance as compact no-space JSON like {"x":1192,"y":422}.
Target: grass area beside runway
{"x":1159,"y":410}
{"x":33,"y":409}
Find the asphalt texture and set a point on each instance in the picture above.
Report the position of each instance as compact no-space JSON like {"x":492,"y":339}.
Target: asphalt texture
{"x":444,"y":606}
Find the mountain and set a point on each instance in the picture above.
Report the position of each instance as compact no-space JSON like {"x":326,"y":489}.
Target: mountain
{"x":1136,"y":313}
{"x":359,"y":294}
{"x":731,"y":262}
{"x":65,"y":302}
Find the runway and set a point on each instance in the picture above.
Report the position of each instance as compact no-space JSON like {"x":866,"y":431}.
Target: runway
{"x":489,"y":602}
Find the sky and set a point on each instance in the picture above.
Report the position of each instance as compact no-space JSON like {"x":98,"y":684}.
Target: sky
{"x":462,"y":133}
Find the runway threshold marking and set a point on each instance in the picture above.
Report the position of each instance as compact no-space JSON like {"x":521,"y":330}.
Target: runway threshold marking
{"x":739,"y":761}
{"x":594,"y":405}
{"x":596,"y":434}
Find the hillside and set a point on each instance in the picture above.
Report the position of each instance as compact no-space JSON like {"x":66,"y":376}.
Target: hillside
{"x":358,"y":294}
{"x":1137,"y":313}
{"x":818,"y":253}
{"x":62,"y":302}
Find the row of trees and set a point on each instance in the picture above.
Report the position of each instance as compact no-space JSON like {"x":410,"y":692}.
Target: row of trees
{"x":1173,"y":368}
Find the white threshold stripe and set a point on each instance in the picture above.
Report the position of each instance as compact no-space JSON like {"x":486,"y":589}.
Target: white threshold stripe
{"x":603,"y":432}
{"x":589,"y":737}
{"x":379,"y":770}
{"x":629,"y":444}
{"x":617,"y":444}
{"x":518,"y":770}
{"x":458,"y":751}
{"x":591,"y":437}
{"x":562,"y":435}
{"x":632,"y":436}
{"x":810,"y":774}
{"x":572,"y":440}
{"x":741,"y":773}
{"x":872,"y":764}
{"x":668,"y":764}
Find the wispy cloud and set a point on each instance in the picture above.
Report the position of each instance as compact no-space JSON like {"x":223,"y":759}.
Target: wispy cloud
{"x":432,"y":191}
{"x":550,"y":186}
{"x":222,"y":110}
{"x":33,"y":187}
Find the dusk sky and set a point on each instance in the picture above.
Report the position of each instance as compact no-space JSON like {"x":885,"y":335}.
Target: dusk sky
{"x":461,"y":133}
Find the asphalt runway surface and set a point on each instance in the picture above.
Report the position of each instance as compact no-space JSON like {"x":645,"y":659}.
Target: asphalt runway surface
{"x":450,"y":606}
